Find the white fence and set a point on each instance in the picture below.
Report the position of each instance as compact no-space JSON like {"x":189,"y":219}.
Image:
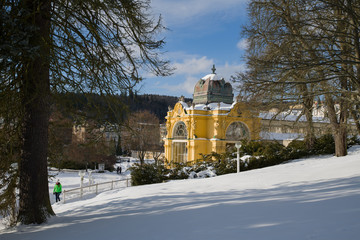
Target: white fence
{"x":94,"y":189}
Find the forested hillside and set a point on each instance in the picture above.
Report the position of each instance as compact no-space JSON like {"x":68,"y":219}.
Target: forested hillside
{"x":114,"y":108}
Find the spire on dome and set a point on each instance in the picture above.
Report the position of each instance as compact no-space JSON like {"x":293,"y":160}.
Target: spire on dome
{"x":213,"y":69}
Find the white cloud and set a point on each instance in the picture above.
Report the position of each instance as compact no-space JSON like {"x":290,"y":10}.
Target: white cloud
{"x":243,"y":44}
{"x":189,"y":69}
{"x":193,"y":65}
{"x":186,"y":64}
{"x":189,"y":84}
{"x":229,"y":70}
{"x":184,"y":88}
{"x":192,"y":69}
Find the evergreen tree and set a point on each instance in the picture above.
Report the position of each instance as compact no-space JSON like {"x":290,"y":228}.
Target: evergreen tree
{"x":50,"y":47}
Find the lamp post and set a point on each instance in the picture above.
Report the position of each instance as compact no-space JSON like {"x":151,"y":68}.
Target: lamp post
{"x":238,"y":145}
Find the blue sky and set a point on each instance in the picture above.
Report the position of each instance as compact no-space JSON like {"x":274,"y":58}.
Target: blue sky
{"x":201,"y":33}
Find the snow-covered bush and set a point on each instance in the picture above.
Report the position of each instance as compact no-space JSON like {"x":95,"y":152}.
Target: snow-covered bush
{"x":178,"y":171}
{"x":147,"y":174}
{"x":254,"y":154}
{"x":354,"y":140}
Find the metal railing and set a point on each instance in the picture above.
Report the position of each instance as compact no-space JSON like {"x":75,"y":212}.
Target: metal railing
{"x":94,"y":189}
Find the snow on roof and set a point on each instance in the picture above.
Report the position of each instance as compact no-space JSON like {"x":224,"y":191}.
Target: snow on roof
{"x":289,"y":116}
{"x":210,"y":106}
{"x":285,"y":116}
{"x":184,"y":105}
{"x":212,"y":76}
{"x":281,"y":136}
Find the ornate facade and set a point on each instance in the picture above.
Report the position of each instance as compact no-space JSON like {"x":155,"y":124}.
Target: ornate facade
{"x":212,"y":126}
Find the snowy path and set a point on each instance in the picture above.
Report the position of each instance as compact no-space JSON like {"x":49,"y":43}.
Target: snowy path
{"x":315,"y":198}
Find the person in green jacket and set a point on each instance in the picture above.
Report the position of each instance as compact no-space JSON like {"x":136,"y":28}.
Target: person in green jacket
{"x":57,"y":191}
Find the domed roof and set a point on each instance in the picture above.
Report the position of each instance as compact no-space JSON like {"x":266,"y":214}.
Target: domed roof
{"x":212,"y":88}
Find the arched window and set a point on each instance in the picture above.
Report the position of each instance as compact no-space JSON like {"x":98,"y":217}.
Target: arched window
{"x":179,"y":144}
{"x":179,"y":131}
{"x":237,"y":131}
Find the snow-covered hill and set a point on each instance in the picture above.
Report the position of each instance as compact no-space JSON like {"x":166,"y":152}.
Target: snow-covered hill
{"x":313,"y":198}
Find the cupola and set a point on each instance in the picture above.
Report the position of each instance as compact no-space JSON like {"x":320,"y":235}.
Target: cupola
{"x":212,"y":89}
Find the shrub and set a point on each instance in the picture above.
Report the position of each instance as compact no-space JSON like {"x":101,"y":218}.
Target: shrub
{"x":147,"y":174}
{"x":296,"y":149}
{"x":262,"y":154}
{"x":354,"y":140}
{"x":221,"y":163}
{"x":225,"y":166}
{"x":178,"y":171}
{"x":200,"y":166}
{"x":256,"y":162}
{"x":324,"y":145}
{"x":273,"y":152}
{"x":252,"y":147}
{"x":68,"y":164}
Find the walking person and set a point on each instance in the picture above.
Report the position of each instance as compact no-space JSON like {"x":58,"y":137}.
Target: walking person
{"x":57,"y":190}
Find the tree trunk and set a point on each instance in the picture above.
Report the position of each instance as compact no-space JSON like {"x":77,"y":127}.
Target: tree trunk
{"x":308,"y":101}
{"x":141,"y":156}
{"x":310,"y":137}
{"x":340,"y":141}
{"x":34,"y":202}
{"x":339,"y":131}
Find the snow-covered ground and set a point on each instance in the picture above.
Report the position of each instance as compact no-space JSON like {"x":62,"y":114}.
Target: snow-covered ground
{"x":313,"y":198}
{"x":70,"y":179}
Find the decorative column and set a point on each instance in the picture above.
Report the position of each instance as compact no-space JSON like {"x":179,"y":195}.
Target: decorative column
{"x":193,"y":127}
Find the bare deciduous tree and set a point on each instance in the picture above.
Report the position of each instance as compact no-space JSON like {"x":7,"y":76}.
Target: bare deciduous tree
{"x":143,"y":133}
{"x":304,"y":49}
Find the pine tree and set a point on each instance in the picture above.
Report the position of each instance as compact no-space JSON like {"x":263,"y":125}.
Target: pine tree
{"x":50,"y":47}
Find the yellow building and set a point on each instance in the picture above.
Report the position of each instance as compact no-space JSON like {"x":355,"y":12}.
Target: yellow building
{"x":210,"y":124}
